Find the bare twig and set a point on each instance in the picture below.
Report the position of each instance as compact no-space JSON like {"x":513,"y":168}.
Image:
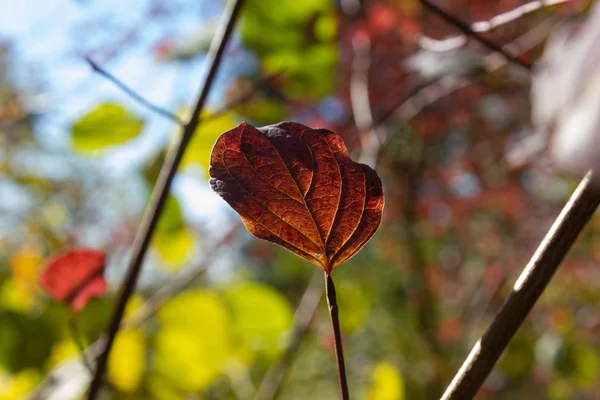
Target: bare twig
{"x":359,"y":99}
{"x":468,"y":31}
{"x":161,"y":190}
{"x":528,"y":288}
{"x":168,"y":114}
{"x":512,"y":15}
{"x":337,"y":335}
{"x":305,"y":312}
{"x":245,"y":96}
{"x":133,"y":94}
{"x":487,"y":26}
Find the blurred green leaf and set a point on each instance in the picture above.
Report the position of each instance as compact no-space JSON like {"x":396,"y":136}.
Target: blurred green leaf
{"x":21,"y":345}
{"x":386,"y":383}
{"x":171,"y":219}
{"x":261,"y":317}
{"x":173,"y":240}
{"x":107,"y":125}
{"x":354,"y":305}
{"x":194,"y":340}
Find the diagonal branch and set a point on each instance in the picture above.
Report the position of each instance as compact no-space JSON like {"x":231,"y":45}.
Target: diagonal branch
{"x":468,"y":31}
{"x":528,"y":288}
{"x":161,"y":190}
{"x":168,"y":114}
{"x":132,"y":93}
{"x":513,"y":15}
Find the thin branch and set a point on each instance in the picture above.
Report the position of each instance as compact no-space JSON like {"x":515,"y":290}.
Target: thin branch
{"x":424,"y":94}
{"x":513,"y":15}
{"x":466,"y":29}
{"x":133,"y":94}
{"x":305,"y":312}
{"x":245,"y":96}
{"x":337,"y":335}
{"x":361,"y":104}
{"x":455,"y":42}
{"x":161,"y":190}
{"x":528,"y":288}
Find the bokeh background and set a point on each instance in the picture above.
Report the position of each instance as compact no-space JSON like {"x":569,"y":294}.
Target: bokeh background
{"x":445,"y":123}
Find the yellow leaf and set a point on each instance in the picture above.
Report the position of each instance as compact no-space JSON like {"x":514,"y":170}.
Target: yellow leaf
{"x":194,"y":342}
{"x":261,"y":318}
{"x":14,"y":387}
{"x":16,"y":295}
{"x":107,"y":125}
{"x":176,"y":247}
{"x":25,"y":264}
{"x":61,"y":351}
{"x":355,"y":305}
{"x":126,"y":363}
{"x":206,"y":134}
{"x":386,"y":383}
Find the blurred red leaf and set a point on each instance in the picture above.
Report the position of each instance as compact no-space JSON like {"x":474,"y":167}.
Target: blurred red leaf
{"x":297,"y":187}
{"x":75,"y":277}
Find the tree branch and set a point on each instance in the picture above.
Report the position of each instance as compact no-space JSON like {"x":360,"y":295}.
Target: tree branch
{"x":133,"y":94}
{"x":161,"y":190}
{"x":468,"y":31}
{"x":528,"y":288}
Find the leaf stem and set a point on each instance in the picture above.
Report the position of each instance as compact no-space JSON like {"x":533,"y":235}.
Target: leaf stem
{"x":337,"y":335}
{"x":528,"y":288}
{"x":161,"y":190}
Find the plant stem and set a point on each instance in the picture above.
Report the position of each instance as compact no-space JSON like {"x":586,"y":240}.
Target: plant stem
{"x":528,"y":288}
{"x":161,"y":190}
{"x":337,"y":335}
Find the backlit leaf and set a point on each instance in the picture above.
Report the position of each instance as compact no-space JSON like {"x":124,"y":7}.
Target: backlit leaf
{"x":297,"y":187}
{"x":107,"y":125}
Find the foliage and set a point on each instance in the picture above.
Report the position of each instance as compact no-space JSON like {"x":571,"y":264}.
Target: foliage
{"x":462,"y":217}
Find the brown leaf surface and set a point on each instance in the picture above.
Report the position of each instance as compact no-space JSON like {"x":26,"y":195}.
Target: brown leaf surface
{"x":297,"y":187}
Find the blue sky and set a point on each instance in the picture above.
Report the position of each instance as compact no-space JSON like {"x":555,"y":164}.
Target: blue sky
{"x":49,"y":38}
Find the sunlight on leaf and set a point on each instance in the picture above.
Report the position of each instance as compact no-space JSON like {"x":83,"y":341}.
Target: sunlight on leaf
{"x":194,"y":341}
{"x":126,"y":363}
{"x":107,"y":125}
{"x":297,"y":187}
{"x":261,"y":318}
{"x":386,"y":383}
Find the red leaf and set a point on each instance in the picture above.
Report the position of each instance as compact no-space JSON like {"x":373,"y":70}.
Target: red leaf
{"x":297,"y":187}
{"x":75,"y":277}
